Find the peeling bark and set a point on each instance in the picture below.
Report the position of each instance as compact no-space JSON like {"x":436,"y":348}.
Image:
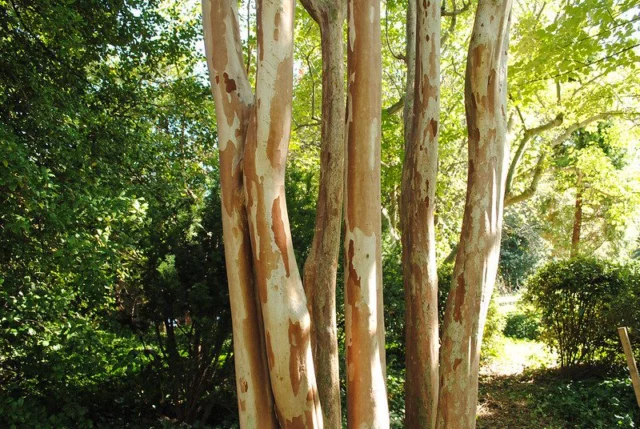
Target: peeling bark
{"x":321,"y":267}
{"x":410,"y":59}
{"x":479,"y":249}
{"x":366,"y":374}
{"x":284,"y":307}
{"x":232,"y":94}
{"x":418,"y":235}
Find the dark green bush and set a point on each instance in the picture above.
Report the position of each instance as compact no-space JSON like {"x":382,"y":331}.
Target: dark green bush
{"x":522,"y":326}
{"x":581,"y":302}
{"x":593,"y":403}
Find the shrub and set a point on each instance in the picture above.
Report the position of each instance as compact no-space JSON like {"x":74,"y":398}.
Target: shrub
{"x":593,"y":403}
{"x":580,"y":302}
{"x":522,"y":326}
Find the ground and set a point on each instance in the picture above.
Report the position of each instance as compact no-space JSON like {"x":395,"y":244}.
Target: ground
{"x":520,"y":388}
{"x":507,"y":388}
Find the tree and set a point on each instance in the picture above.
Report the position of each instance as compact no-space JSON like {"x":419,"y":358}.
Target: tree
{"x":366,"y":363}
{"x":321,"y":267}
{"x":594,"y":190}
{"x":418,"y":228}
{"x":105,"y":126}
{"x":286,"y":322}
{"x":477,"y":256}
{"x":562,"y":93}
{"x":233,"y":99}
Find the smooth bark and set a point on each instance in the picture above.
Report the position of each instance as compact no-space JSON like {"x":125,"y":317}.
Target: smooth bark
{"x":321,"y":267}
{"x":418,"y":230}
{"x":284,"y":306}
{"x":366,"y":375}
{"x":233,"y":97}
{"x":478,"y":252}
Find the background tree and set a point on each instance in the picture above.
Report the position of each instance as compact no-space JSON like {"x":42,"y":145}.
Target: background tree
{"x":321,"y":266}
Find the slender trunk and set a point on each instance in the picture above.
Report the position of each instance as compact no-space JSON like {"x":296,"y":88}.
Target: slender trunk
{"x":321,"y":267}
{"x":284,"y":306}
{"x":366,"y":374}
{"x":410,"y":60}
{"x":232,"y":95}
{"x":479,"y":249}
{"x":577,"y":220}
{"x":418,"y":236}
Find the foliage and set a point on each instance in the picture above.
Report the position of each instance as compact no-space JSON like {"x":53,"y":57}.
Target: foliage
{"x":522,"y":326}
{"x":593,"y":403}
{"x":395,"y":389}
{"x":187,"y":306}
{"x":591,"y":167}
{"x":543,"y":399}
{"x":521,"y":248}
{"x":106,"y":225}
{"x":113,"y":302}
{"x":580,"y":303}
{"x":394,"y":306}
{"x":301,"y":197}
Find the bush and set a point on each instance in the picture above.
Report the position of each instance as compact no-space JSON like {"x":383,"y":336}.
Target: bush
{"x":593,"y":403}
{"x":581,"y":302}
{"x":522,"y":326}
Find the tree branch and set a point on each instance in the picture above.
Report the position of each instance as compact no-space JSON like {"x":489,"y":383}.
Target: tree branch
{"x":539,"y":168}
{"x":533,"y":187}
{"x":528,"y":134}
{"x":600,"y":116}
{"x":454,"y":11}
{"x":395,"y":107}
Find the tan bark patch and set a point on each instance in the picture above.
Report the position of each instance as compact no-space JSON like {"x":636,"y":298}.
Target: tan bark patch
{"x":279,"y":234}
{"x":298,"y":340}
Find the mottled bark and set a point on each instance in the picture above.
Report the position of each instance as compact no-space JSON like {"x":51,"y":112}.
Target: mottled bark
{"x":284,"y":306}
{"x":321,"y":267}
{"x":479,"y":249}
{"x":232,"y":94}
{"x":366,"y":375}
{"x":418,"y":235}
{"x":410,"y":59}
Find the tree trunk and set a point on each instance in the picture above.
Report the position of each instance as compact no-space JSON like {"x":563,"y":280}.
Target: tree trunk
{"x":321,"y":267}
{"x":577,"y":220}
{"x":284,"y":306}
{"x":410,"y":60}
{"x":366,"y":374}
{"x":479,"y":249}
{"x":418,"y":236}
{"x":232,"y":94}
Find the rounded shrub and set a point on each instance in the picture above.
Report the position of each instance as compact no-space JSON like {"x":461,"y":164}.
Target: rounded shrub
{"x":522,"y":326}
{"x":580,"y":307}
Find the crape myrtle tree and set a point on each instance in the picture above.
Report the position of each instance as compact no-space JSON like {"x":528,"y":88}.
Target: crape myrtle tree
{"x":284,"y":339}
